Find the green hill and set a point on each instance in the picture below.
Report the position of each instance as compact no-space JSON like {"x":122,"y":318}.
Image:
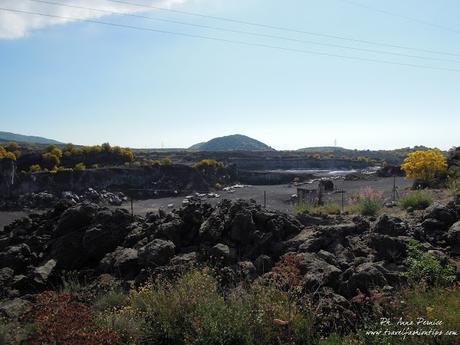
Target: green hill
{"x":236,"y":142}
{"x":7,"y":136}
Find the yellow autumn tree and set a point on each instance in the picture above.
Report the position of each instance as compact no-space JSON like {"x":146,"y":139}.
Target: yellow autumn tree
{"x":5,"y":154}
{"x":424,"y":165}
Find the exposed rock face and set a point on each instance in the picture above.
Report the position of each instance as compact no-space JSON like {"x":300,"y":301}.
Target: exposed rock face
{"x":7,"y":176}
{"x":172,"y":178}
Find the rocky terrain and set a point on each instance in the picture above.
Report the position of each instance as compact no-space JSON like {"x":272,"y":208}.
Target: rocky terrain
{"x":338,"y":256}
{"x":46,"y":200}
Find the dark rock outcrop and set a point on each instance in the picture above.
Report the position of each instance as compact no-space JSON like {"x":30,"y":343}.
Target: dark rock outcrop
{"x":240,"y":239}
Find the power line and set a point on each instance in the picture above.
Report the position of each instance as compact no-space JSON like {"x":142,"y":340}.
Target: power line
{"x":245,"y":32}
{"x":389,"y":13}
{"x":210,"y":38}
{"x":281,"y":28}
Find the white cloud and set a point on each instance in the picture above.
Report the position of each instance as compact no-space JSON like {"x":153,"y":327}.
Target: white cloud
{"x":17,"y":25}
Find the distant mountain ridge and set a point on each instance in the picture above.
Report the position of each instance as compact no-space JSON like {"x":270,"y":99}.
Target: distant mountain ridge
{"x":325,"y":149}
{"x":8,"y":136}
{"x":235,"y":142}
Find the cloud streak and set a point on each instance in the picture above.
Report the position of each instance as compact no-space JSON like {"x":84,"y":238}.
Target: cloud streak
{"x":18,"y":25}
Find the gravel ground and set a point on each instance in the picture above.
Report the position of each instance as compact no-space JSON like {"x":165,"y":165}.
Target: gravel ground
{"x":278,"y":196}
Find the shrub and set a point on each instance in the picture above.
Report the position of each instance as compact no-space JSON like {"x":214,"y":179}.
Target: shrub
{"x":35,"y":168}
{"x":12,"y":146}
{"x":50,"y":160}
{"x":206,"y":164}
{"x":70,"y":282}
{"x":109,"y":300}
{"x":79,"y":167}
{"x":453,"y":184}
{"x":166,"y":161}
{"x":423,"y":267}
{"x":124,"y":322}
{"x":5,"y":154}
{"x":192,"y":310}
{"x":367,"y":202}
{"x":424,"y":165}
{"x":418,"y":200}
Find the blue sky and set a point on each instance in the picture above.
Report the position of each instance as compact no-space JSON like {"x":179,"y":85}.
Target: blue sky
{"x":87,"y":83}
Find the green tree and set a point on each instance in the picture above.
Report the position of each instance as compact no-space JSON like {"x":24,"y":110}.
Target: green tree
{"x":50,"y":160}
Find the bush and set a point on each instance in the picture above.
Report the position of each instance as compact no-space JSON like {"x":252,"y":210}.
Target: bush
{"x":208,"y":164}
{"x":109,"y":300}
{"x":35,"y":168}
{"x":166,"y":161}
{"x":423,"y":267}
{"x":424,"y":165}
{"x":367,"y":202}
{"x":193,"y":310}
{"x":79,"y":167}
{"x":418,"y":200}
{"x":50,"y":160}
{"x":453,"y":184}
{"x":5,"y":154}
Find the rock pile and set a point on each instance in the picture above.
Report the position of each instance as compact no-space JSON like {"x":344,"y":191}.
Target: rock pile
{"x":46,"y":200}
{"x":336,"y":256}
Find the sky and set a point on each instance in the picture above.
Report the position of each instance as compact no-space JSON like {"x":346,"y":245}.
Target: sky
{"x":85,"y":82}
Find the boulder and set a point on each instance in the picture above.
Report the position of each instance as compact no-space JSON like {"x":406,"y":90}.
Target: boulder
{"x":14,"y":309}
{"x":445,"y":214}
{"x":6,"y":275}
{"x":67,"y":251}
{"x":75,"y":218}
{"x":122,"y":261}
{"x":317,"y":272}
{"x":391,"y":226}
{"x":186,"y":260}
{"x":212,"y":229}
{"x":156,"y":253}
{"x":17,"y":257}
{"x":388,"y":248}
{"x":222,"y":252}
{"x":42,"y":273}
{"x":99,"y":240}
{"x":365,"y":277}
{"x":454,"y":238}
{"x":263,"y":264}
{"x":242,"y":226}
